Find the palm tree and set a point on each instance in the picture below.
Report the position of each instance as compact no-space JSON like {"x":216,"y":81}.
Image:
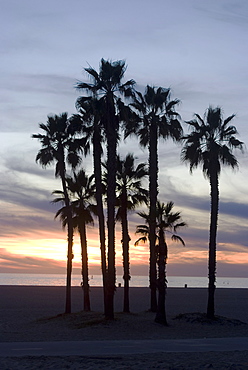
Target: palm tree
{"x":156,"y":118}
{"x":210,"y":144}
{"x":166,"y":222}
{"x":130,"y":194}
{"x":81,"y":189}
{"x":89,"y":123}
{"x":107,"y":86}
{"x":58,"y":146}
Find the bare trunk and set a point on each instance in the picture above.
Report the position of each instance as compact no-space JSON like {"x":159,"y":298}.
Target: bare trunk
{"x":85,"y":269}
{"x":125,"y":249}
{"x":162,"y":257}
{"x":153,"y":191}
{"x":98,"y":179}
{"x":214,"y":185}
{"x":111,"y":199}
{"x":69,"y":269}
{"x":70,"y":243}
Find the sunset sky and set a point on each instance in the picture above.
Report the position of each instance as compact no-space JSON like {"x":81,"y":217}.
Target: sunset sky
{"x":197,"y":48}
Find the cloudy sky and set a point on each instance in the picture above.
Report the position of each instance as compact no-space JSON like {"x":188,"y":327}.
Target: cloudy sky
{"x":197,"y":48}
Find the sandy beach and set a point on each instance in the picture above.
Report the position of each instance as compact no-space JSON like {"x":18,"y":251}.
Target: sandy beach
{"x":36,"y":314}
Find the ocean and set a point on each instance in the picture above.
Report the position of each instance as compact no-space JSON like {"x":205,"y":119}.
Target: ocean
{"x":136,"y":281}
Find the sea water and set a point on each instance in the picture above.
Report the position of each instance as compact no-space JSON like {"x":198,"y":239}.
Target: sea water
{"x":136,"y":281}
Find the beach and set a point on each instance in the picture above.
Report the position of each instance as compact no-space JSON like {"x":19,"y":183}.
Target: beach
{"x":32,"y":314}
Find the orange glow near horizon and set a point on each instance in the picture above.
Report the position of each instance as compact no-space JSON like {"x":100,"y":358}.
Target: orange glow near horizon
{"x":54,"y":248}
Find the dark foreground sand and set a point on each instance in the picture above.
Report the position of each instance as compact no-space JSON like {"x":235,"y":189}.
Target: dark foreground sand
{"x":34,"y":314}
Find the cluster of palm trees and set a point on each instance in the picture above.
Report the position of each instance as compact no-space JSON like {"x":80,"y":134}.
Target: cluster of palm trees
{"x":108,"y":104}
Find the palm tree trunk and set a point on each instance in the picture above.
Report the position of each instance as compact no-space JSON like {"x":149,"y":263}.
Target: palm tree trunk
{"x":70,"y":243}
{"x":69,"y":269}
{"x":85,"y":269}
{"x":125,"y":248}
{"x":161,"y":313}
{"x":153,"y":191}
{"x":214,"y":185}
{"x":111,"y":199}
{"x":98,"y":179}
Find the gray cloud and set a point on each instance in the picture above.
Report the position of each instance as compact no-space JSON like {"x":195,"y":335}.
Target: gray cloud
{"x":31,"y":97}
{"x":18,"y":225}
{"x":42,"y":83}
{"x":234,"y":12}
{"x":228,"y":208}
{"x":27,"y":166}
{"x":234,"y":209}
{"x":27,"y":196}
{"x":169,"y":192}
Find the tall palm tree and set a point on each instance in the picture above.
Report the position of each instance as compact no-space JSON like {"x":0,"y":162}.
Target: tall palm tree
{"x":89,"y":124}
{"x":167,"y":221}
{"x":129,"y":194}
{"x":107,"y":86}
{"x":59,"y":147}
{"x":81,"y":190}
{"x":156,"y":118}
{"x":210,"y":144}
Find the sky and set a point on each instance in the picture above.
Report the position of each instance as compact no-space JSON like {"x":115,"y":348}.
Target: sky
{"x":197,"y":48}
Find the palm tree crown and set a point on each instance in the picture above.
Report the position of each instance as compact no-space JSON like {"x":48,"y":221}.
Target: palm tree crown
{"x":167,"y":221}
{"x":89,"y":123}
{"x":108,"y":80}
{"x":81,"y":189}
{"x":155,"y":109}
{"x":129,"y":183}
{"x":211,"y":142}
{"x":57,"y":139}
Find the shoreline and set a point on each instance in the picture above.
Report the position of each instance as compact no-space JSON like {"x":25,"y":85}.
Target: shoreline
{"x":136,"y":281}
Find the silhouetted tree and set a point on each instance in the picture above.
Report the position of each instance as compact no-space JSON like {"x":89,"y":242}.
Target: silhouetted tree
{"x":89,"y":124}
{"x":210,"y":144}
{"x":107,"y":86}
{"x":156,"y":118}
{"x":130,"y":193}
{"x":81,"y":190}
{"x":166,"y":222}
{"x":58,"y":147}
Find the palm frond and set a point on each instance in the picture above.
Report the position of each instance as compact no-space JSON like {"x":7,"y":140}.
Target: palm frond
{"x":177,"y":238}
{"x":142,"y":239}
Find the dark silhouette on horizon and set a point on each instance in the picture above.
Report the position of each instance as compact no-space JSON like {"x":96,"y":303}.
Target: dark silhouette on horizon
{"x":210,"y":144}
